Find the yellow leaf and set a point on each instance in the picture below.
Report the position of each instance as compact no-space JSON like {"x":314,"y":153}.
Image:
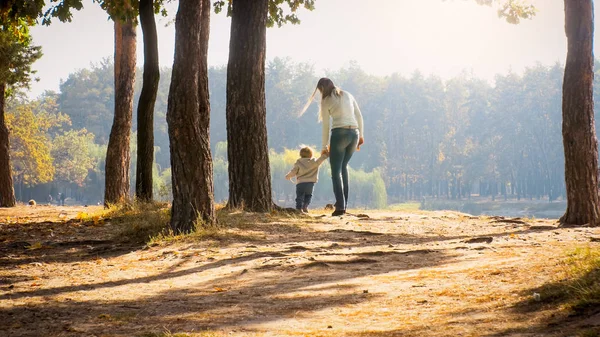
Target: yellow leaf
{"x":219,"y":290}
{"x":37,"y":245}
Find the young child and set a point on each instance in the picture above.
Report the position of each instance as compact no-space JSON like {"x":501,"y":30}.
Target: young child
{"x":306,"y":171}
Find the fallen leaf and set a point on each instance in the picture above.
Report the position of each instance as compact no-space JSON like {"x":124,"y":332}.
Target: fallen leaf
{"x":219,"y":290}
{"x":97,"y":220}
{"x":37,"y":245}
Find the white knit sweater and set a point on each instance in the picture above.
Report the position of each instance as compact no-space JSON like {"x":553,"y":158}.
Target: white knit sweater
{"x":343,"y":112}
{"x":306,"y":170}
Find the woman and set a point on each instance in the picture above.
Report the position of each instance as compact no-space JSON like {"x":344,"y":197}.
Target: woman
{"x":339,"y":111}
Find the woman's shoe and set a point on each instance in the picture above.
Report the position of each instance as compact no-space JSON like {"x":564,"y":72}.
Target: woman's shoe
{"x":338,"y":212}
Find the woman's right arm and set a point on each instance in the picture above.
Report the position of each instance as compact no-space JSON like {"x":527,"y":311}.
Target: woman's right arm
{"x":359,"y":118}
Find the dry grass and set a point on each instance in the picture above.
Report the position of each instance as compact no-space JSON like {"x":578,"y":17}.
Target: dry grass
{"x":138,"y":222}
{"x":578,"y":284}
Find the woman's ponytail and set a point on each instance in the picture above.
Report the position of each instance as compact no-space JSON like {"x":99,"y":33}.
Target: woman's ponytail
{"x":310,"y":100}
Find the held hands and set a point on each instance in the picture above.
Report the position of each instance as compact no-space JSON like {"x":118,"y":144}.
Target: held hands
{"x":325,"y":151}
{"x":361,"y":141}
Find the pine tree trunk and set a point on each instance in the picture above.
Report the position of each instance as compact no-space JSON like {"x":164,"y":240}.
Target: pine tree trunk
{"x":247,"y":148}
{"x":7,"y":192}
{"x":579,"y":135}
{"x":188,"y":116}
{"x":118,"y":154}
{"x":145,"y":111}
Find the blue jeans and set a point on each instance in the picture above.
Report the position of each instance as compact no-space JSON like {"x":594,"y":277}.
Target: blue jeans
{"x":304,"y":193}
{"x":342,"y":146}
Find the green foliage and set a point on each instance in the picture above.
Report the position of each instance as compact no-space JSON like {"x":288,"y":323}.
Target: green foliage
{"x":29,"y":11}
{"x":368,"y":189}
{"x":12,"y":12}
{"x":511,"y":10}
{"x":128,"y":10}
{"x":62,"y":10}
{"x":29,"y":148}
{"x":162,"y":185}
{"x":87,"y":97}
{"x":51,"y":120}
{"x":45,"y":148}
{"x":72,"y":156}
{"x":17,"y":56}
{"x":220,"y":151}
{"x":220,"y":179}
{"x":278,"y":13}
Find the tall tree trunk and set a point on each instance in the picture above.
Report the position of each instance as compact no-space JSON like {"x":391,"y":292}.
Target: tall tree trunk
{"x":7,"y":192}
{"x":118,"y":154}
{"x":188,"y":116}
{"x":247,"y":148}
{"x":579,"y":134}
{"x":145,"y":111}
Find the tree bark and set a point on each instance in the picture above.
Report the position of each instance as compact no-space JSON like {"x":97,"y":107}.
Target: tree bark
{"x":118,"y":154}
{"x":247,"y":148}
{"x":145,"y":111}
{"x":7,"y":192}
{"x":188,"y":117}
{"x":579,"y":135}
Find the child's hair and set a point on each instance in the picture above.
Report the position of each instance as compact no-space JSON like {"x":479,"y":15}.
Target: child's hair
{"x":306,"y":152}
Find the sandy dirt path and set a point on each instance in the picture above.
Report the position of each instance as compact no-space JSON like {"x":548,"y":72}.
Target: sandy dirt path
{"x":391,"y":274}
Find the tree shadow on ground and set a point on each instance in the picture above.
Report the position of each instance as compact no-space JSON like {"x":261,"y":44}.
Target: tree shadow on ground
{"x":279,"y":229}
{"x":267,"y":286}
{"x":253,"y":295}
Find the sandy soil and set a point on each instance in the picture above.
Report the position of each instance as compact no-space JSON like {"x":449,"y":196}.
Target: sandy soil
{"x":391,"y":274}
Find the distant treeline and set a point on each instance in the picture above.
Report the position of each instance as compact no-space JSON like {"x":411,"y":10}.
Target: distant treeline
{"x":425,"y":137}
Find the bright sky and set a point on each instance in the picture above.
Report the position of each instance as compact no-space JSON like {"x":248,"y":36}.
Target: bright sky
{"x":442,"y":37}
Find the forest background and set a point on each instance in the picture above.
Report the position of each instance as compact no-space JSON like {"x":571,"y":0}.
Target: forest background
{"x":428,"y":139}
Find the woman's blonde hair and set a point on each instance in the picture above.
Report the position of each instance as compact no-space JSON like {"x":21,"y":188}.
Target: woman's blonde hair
{"x":327,"y":88}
